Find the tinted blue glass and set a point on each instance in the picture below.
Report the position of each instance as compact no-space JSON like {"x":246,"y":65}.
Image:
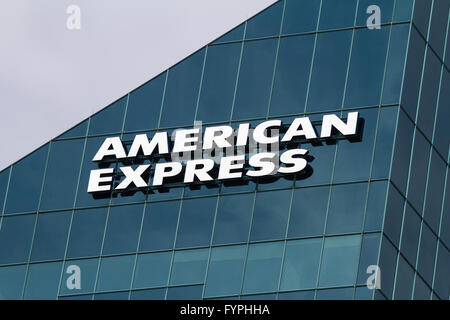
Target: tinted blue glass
{"x":421,"y":289}
{"x":403,"y":10}
{"x":435,"y":191}
{"x":387,"y":122}
{"x":365,"y":79}
{"x":115,"y":273}
{"x":331,"y":59}
{"x":353,"y":159}
{"x":255,"y":79}
{"x":395,"y":64}
{"x":270,"y":215}
{"x":84,"y":199}
{"x":233,"y":35}
{"x":402,"y":152}
{"x":388,"y":262}
{"x":439,"y":25}
{"x":421,"y":16}
{"x":122,"y":233}
{"x":110,"y":119}
{"x":292,"y":75}
{"x":78,"y":131}
{"x":419,"y":169}
{"x":152,"y":294}
{"x":442,"y":276}
{"x":339,"y":261}
{"x":364,"y":293}
{"x":185,"y":293}
{"x":233,"y":219}
{"x":196,"y":222}
{"x":346,"y":216}
{"x":51,"y":236}
{"x":386,"y":7}
{"x":225,"y":271}
{"x":368,"y":256}
{"x":4,"y":177}
{"x":410,"y":235}
{"x":375,"y":205}
{"x":159,"y":227}
{"x":269,"y":296}
{"x":17,"y":232}
{"x":337,"y":14}
{"x":309,"y":208}
{"x":300,"y":16}
{"x":181,"y":95}
{"x":263,"y":262}
{"x":393,"y":216}
{"x":144,"y":105}
{"x":112,"y":296}
{"x":335,"y":294}
{"x":152,"y":270}
{"x":62,"y":173}
{"x":189,"y":266}
{"x":219,"y":82}
{"x":12,"y":280}
{"x":442,"y":129}
{"x":266,"y":23}
{"x":88,"y":274}
{"x":429,"y":94}
{"x":427,"y":254}
{"x":322,"y":165}
{"x":404,"y":280}
{"x":43,"y":281}
{"x":413,"y":73}
{"x":86,"y":233}
{"x":26,"y":179}
{"x":297,"y":295}
{"x":77,"y":297}
{"x":301,"y":264}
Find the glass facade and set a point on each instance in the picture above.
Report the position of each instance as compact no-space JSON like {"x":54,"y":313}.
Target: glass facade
{"x":384,"y":200}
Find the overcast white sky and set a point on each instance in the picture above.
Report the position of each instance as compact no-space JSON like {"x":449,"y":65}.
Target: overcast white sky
{"x":51,"y":77}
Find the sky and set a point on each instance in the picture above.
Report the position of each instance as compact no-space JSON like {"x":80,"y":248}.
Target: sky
{"x":53,"y":77}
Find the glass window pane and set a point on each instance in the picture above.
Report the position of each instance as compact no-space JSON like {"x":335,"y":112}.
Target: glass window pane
{"x":442,"y":129}
{"x":51,"y":236}
{"x":181,"y":95}
{"x":403,"y":10}
{"x":346,"y":216}
{"x":442,"y":276}
{"x":365,"y":79}
{"x":43,"y":281}
{"x":110,"y":119}
{"x":427,"y":254}
{"x":219,"y":82}
{"x":122,"y":233}
{"x":266,"y":23}
{"x":12,"y":280}
{"x":112,"y":296}
{"x":386,"y":7}
{"x":337,"y":14}
{"x":62,"y":174}
{"x":394,"y":213}
{"x":88,"y":274}
{"x":17,"y":232}
{"x":225,"y":271}
{"x":388,"y":262}
{"x":438,"y":26}
{"x":292,"y":75}
{"x":185,"y":293}
{"x":270,"y":215}
{"x":335,"y":294}
{"x":159,"y":227}
{"x":152,"y":294}
{"x":309,"y":208}
{"x":86,"y":234}
{"x":233,"y":35}
{"x":369,"y":255}
{"x":233,"y":219}
{"x":4,"y":177}
{"x":26,"y":179}
{"x":421,"y":16}
{"x":255,"y":79}
{"x":421,"y":289}
{"x":152,"y":270}
{"x":353,"y":159}
{"x":410,"y":235}
{"x":145,"y":100}
{"x":79,"y":130}
{"x":189,"y":266}
{"x":263,"y":262}
{"x":404,"y":280}
{"x":300,"y":16}
{"x":375,"y":205}
{"x":297,"y":295}
{"x":115,"y":273}
{"x":196,"y":222}
{"x":301,"y":264}
{"x":339,"y":261}
{"x":331,"y":59}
